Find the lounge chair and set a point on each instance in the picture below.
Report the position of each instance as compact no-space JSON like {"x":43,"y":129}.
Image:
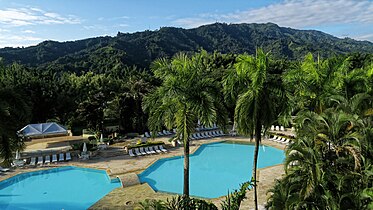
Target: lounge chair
{"x":198,"y":135}
{"x":47,"y":159}
{"x":138,"y":153}
{"x":54,"y":158}
{"x":195,"y":136}
{"x":286,"y":141}
{"x":281,"y":140}
{"x":152,"y":151}
{"x":272,"y":127}
{"x":211,"y":134}
{"x":40,"y":160}
{"x":157,"y":150}
{"x":61,"y":157}
{"x":68,"y":156}
{"x":146,"y":149}
{"x":160,"y":134}
{"x":221,"y":133}
{"x":142,"y":151}
{"x":174,"y":130}
{"x":4,"y":169}
{"x":277,"y":128}
{"x":130,"y":152}
{"x":272,"y":138}
{"x":33,"y":161}
{"x":162,"y":149}
{"x":147,"y":135}
{"x":282,"y":128}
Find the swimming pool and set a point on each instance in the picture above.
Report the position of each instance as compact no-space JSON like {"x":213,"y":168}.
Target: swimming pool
{"x":214,"y":169}
{"x":60,"y":188}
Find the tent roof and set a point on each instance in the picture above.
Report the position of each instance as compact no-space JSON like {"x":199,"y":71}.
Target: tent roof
{"x":43,"y":129}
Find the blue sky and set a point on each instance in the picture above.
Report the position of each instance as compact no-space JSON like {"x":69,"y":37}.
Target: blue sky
{"x":28,"y":22}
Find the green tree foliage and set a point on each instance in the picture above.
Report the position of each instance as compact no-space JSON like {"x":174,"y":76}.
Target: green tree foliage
{"x":13,"y":113}
{"x":329,"y":164}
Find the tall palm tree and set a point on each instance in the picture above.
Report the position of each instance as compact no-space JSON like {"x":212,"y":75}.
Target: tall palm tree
{"x":186,"y":94}
{"x":259,"y":98}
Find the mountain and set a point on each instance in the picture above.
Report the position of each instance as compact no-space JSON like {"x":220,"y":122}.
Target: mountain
{"x":141,"y":48}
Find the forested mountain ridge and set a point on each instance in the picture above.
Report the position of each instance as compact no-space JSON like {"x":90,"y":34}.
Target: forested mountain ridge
{"x":141,"y":48}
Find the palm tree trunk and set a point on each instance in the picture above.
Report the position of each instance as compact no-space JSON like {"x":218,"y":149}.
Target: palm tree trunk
{"x":256,"y":151}
{"x":186,"y":160}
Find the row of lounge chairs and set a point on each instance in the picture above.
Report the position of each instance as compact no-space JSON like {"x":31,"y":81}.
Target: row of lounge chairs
{"x":47,"y":159}
{"x":205,"y":128}
{"x":277,"y":128}
{"x":206,"y":134}
{"x":146,"y":150}
{"x":280,"y":139}
{"x":163,"y":133}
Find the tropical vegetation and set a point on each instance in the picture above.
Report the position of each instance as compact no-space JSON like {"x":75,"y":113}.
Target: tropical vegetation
{"x":328,"y":99}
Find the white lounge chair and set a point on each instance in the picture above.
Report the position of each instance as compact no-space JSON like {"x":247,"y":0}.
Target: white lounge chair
{"x":146,"y":149}
{"x":138,"y":153}
{"x":151,"y":150}
{"x":33,"y":161}
{"x":273,"y":138}
{"x":160,"y":134}
{"x":277,"y":128}
{"x":47,"y":159}
{"x":142,"y":151}
{"x":68,"y":156}
{"x":54,"y":158}
{"x":162,"y":149}
{"x":4,"y":169}
{"x":130,"y":152}
{"x":157,"y":150}
{"x":210,"y":134}
{"x":272,"y":127}
{"x":147,"y":135}
{"x":286,"y":141}
{"x":174,"y":130}
{"x":40,"y":160}
{"x":282,"y":128}
{"x":61,"y":157}
{"x":281,"y":140}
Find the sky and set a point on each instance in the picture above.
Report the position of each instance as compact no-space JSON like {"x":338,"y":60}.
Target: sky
{"x":29,"y":22}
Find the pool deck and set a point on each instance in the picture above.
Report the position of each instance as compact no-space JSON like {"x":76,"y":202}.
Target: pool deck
{"x":126,"y":168}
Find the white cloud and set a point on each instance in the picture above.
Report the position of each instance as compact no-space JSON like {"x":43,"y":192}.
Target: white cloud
{"x":18,"y":40}
{"x":28,"y":31}
{"x":33,"y":16}
{"x":366,"y":37}
{"x":293,"y":13}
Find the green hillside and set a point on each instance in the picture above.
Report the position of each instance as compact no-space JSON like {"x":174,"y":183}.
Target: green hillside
{"x":141,"y":48}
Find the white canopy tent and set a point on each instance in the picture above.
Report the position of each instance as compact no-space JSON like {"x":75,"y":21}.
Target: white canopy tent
{"x":43,"y":130}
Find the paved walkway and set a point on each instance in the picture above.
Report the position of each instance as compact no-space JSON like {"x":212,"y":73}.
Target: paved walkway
{"x":123,"y":165}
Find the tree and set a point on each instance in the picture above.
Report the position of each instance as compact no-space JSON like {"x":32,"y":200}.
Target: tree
{"x":14,"y":113}
{"x":259,"y":98}
{"x":185,"y":95}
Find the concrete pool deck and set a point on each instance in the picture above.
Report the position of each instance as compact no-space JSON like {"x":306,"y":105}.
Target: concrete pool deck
{"x":126,"y":167}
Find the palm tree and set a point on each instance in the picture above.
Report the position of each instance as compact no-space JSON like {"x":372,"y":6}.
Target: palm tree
{"x":14,"y":113}
{"x":259,"y":98}
{"x":186,"y":94}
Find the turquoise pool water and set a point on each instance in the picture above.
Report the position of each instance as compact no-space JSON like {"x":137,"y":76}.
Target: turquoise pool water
{"x":60,"y":188}
{"x":214,"y":169}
